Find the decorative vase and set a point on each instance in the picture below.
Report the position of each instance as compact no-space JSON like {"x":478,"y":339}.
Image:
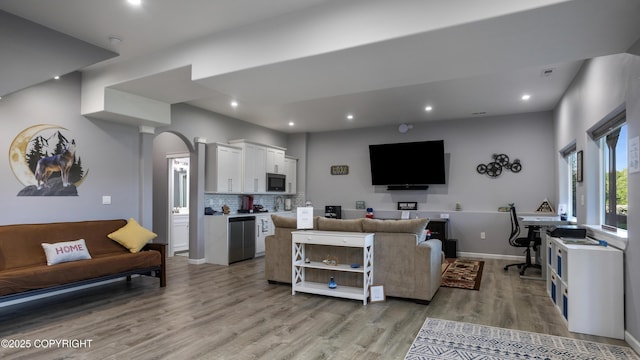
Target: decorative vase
{"x":332,"y":283}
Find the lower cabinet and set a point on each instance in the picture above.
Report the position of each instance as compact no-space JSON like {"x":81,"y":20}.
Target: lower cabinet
{"x":585,"y":282}
{"x":264,"y":228}
{"x":179,"y":233}
{"x":226,"y":238}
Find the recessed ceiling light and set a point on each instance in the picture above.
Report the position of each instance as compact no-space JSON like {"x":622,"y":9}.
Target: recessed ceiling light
{"x":234,"y":103}
{"x":350,"y":116}
{"x":291,"y":123}
{"x":135,"y":2}
{"x":56,"y":77}
{"x":428,"y":108}
{"x":526,"y":97}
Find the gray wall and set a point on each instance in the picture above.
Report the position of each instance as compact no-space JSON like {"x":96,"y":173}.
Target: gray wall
{"x":108,"y":152}
{"x":468,"y":142}
{"x":603,"y":85}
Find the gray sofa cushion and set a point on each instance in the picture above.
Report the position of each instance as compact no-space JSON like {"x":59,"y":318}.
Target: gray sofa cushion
{"x":325,"y":224}
{"x":413,"y":226}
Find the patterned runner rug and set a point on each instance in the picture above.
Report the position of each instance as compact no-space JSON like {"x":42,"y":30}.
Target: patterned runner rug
{"x":444,"y":339}
{"x":463,"y":274}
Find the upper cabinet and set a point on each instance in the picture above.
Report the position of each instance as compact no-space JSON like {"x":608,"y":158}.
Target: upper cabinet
{"x":291,"y":165}
{"x":255,"y":168}
{"x":223,"y":168}
{"x":254,"y":162}
{"x":275,"y":161}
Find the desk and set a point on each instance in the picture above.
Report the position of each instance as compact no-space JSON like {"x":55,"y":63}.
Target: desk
{"x":543,"y":221}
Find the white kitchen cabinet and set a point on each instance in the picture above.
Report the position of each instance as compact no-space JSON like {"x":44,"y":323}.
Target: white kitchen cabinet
{"x":223,"y":170}
{"x":264,"y":228}
{"x":179,"y":233}
{"x":291,"y":165}
{"x":276,"y":161}
{"x":254,"y":166}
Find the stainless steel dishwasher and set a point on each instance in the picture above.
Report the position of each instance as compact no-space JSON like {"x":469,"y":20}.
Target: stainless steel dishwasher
{"x":242,"y":238}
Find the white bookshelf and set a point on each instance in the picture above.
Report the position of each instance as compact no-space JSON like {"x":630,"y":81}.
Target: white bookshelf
{"x":585,"y":282}
{"x":331,"y":238}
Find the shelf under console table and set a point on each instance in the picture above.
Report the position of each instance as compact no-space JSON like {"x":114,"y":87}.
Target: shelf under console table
{"x":332,"y":239}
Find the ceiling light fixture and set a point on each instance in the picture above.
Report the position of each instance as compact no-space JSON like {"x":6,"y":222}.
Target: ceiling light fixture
{"x":234,"y":103}
{"x":56,"y":77}
{"x":428,"y":108}
{"x":403,"y":128}
{"x":350,"y":117}
{"x":526,"y":97}
{"x":291,"y":123}
{"x":135,"y":2}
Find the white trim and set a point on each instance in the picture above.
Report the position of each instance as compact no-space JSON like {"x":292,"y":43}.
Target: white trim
{"x":616,"y":239}
{"x":196,"y":261}
{"x":491,"y":256}
{"x":633,"y":342}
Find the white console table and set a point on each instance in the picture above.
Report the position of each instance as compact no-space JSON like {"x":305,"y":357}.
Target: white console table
{"x":585,"y":282}
{"x":331,"y":238}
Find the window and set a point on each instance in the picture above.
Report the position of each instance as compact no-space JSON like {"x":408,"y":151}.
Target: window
{"x":573,"y":176}
{"x":570,"y":158}
{"x":612,"y":140}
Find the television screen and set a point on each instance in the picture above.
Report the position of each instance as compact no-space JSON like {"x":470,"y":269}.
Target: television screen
{"x":411,"y":163}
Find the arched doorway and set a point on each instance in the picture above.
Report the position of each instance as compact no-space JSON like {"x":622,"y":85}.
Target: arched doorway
{"x":167,"y":147}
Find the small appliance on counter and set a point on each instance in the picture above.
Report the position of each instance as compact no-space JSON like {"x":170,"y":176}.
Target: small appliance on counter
{"x":257,"y":208}
{"x":333,"y":211}
{"x":287,"y":204}
{"x":247,"y":204}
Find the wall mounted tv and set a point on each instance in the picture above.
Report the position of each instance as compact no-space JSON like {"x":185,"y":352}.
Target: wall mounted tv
{"x":409,"y":165}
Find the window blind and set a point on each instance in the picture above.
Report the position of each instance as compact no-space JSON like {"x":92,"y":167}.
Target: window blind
{"x":608,"y":126}
{"x":567,"y":150}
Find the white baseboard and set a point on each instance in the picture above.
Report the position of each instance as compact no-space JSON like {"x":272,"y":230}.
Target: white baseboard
{"x":633,"y":342}
{"x":196,"y":261}
{"x":491,"y":256}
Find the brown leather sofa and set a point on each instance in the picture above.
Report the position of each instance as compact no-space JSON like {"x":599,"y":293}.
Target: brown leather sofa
{"x":23,"y":264}
{"x":406,"y":266}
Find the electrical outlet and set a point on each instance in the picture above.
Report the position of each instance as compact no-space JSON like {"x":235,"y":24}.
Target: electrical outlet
{"x":444,"y":216}
{"x":483,"y":235}
{"x":106,"y":200}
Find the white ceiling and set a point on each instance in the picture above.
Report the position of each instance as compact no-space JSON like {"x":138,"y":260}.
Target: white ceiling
{"x":382,"y":61}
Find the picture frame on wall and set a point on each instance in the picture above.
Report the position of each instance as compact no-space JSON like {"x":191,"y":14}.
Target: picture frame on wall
{"x":579,"y":166}
{"x":408,"y":205}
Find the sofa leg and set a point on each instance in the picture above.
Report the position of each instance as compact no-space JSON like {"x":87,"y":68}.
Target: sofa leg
{"x":128,"y":278}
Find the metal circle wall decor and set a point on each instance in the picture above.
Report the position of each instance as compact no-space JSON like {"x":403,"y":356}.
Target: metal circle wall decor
{"x":500,"y":161}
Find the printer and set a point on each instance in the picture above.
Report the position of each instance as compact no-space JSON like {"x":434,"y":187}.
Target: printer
{"x":567,"y":231}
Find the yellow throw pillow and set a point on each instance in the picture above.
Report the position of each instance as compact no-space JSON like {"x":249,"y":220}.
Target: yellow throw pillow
{"x":132,"y":236}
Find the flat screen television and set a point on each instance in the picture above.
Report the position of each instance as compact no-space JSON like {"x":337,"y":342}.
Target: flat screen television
{"x":410,"y":163}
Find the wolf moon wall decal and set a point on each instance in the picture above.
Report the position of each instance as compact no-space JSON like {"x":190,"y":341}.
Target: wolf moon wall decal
{"x":46,"y":162}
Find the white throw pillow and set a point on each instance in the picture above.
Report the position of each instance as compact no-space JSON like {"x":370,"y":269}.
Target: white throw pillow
{"x":66,"y":251}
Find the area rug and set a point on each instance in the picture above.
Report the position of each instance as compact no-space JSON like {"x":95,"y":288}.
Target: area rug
{"x":444,"y":339}
{"x":463,"y":274}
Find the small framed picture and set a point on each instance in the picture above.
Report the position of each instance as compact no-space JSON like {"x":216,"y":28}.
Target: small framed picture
{"x":411,"y":205}
{"x":359,"y":204}
{"x":339,"y":169}
{"x":376,"y":293}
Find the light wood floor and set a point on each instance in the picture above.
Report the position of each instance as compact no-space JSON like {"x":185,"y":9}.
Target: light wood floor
{"x":217,"y":312}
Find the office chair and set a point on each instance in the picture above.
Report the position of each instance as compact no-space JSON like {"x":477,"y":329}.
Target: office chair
{"x":532,"y":240}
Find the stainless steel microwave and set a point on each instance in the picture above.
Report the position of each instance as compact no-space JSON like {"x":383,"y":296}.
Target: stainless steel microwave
{"x":276,"y":182}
